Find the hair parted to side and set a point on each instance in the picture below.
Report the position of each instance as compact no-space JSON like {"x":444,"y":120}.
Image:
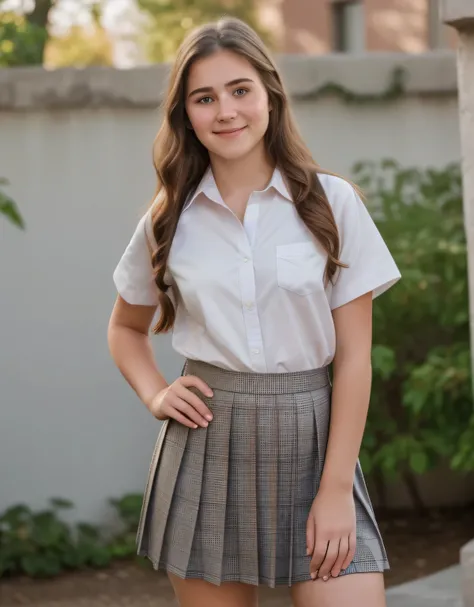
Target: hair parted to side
{"x":181,"y":160}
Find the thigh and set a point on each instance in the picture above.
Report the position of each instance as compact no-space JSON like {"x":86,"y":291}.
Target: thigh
{"x":198,"y":593}
{"x":354,"y":589}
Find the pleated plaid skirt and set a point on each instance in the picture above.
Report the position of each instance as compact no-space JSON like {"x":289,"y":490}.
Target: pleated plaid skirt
{"x":230,"y":502}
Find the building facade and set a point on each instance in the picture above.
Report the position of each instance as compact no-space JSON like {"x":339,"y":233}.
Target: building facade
{"x":324,"y":26}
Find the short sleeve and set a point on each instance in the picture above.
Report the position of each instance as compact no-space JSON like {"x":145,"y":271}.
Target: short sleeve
{"x":371,"y":266}
{"x":133,"y":276}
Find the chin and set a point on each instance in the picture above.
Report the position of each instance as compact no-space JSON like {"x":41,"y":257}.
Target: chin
{"x":233,"y":154}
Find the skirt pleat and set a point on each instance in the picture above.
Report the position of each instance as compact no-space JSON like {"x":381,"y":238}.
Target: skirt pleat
{"x":267,"y":429}
{"x":163,"y":494}
{"x":185,"y":504}
{"x":230,"y":502}
{"x":242,"y":488}
{"x":208,"y":545}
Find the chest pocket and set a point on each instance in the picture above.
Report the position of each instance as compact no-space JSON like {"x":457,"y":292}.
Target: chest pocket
{"x":300,"y":268}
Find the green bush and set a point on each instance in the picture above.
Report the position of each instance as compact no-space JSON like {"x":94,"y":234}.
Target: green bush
{"x":421,"y":408}
{"x":40,"y":544}
{"x":21,"y":42}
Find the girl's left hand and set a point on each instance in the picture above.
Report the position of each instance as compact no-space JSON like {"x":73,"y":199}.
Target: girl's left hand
{"x":331,"y":533}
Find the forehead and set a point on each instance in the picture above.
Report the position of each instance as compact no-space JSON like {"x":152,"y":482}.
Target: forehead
{"x":219,"y":68}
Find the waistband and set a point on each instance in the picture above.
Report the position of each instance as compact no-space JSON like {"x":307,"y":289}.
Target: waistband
{"x":257,"y":383}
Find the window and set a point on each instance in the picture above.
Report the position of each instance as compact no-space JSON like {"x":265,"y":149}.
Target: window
{"x":348,"y":26}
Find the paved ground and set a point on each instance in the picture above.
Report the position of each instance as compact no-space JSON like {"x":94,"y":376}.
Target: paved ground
{"x":438,"y":590}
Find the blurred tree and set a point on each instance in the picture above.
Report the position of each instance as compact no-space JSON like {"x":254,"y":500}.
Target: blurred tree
{"x":27,"y":39}
{"x":23,"y":37}
{"x":81,"y":46}
{"x":170,"y":20}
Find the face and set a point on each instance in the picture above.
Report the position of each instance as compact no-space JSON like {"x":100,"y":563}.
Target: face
{"x":227,"y":104}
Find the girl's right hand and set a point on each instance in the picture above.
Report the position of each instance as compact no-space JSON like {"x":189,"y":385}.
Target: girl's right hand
{"x":176,"y":401}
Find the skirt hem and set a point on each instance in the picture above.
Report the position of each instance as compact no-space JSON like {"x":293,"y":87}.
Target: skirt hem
{"x":262,"y":581}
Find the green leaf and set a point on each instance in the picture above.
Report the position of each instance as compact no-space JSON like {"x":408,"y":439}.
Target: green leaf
{"x":9,"y":209}
{"x":60,"y":503}
{"x":100,"y":557}
{"x":129,"y":508}
{"x":41,"y":565}
{"x":365,"y":462}
{"x":419,"y":462}
{"x":383,"y":361}
{"x":87,"y":531}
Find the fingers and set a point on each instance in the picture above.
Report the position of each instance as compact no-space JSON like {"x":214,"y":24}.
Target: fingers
{"x":352,"y":549}
{"x":329,"y":558}
{"x":310,"y":533}
{"x":183,"y":405}
{"x":182,"y":419}
{"x":342,"y":556}
{"x":196,"y":382}
{"x":319,"y":555}
{"x":193,"y":399}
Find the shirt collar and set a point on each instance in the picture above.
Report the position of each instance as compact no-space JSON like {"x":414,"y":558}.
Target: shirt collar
{"x":208,"y":187}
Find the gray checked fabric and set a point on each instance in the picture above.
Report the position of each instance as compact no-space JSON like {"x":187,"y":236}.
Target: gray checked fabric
{"x":230,"y":502}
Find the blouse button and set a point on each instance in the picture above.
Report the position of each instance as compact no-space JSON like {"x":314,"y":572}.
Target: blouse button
{"x":246,"y":259}
{"x":255,"y":351}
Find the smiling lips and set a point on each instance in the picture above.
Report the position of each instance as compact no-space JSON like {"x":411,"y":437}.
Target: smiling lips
{"x":230,"y":132}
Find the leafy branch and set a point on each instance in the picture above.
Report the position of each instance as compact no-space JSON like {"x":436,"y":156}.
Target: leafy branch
{"x":9,"y":208}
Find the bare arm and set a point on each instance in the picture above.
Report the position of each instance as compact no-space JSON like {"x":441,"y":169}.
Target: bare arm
{"x":352,"y":378}
{"x":130,"y":348}
{"x":331,"y":526}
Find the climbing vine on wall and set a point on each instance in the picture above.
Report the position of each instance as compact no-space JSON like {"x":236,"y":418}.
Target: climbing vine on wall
{"x":394,"y":90}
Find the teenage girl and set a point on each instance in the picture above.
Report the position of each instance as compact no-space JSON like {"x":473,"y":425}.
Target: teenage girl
{"x":265,"y":267}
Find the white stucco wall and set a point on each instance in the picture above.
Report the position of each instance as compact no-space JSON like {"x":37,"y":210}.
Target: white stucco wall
{"x":76,"y":148}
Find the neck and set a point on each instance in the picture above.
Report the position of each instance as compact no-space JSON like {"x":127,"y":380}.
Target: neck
{"x":243,"y":175}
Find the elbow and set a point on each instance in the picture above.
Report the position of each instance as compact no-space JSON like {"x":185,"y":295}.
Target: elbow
{"x":353,"y":362}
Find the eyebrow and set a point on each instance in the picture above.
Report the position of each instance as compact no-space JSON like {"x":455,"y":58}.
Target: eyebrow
{"x":209,"y":89}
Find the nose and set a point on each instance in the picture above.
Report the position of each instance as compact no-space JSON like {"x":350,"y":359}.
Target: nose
{"x":227,"y":110}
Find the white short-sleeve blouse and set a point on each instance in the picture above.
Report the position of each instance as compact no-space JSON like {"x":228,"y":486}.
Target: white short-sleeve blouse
{"x":251,"y":295}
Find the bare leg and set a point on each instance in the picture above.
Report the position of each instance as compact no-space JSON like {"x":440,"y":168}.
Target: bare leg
{"x":198,"y":593}
{"x":354,"y":589}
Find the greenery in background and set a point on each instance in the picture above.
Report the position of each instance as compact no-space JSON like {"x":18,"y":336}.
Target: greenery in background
{"x":421,"y":410}
{"x":22,"y":42}
{"x":9,"y":208}
{"x":41,"y":544}
{"x":26,"y":39}
{"x":81,"y":46}
{"x":170,"y":20}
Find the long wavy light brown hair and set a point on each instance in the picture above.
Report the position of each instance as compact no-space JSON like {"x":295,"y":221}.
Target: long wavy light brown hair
{"x":181,"y":160}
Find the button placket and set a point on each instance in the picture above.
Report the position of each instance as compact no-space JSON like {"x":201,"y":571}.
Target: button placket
{"x":248,"y":289}
{"x":250,"y":312}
